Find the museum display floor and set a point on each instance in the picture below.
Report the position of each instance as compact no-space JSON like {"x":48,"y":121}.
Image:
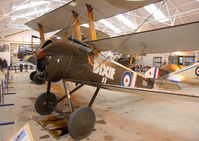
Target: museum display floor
{"x":119,"y":116}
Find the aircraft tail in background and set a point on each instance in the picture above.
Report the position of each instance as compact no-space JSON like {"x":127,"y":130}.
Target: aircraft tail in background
{"x":156,"y":73}
{"x":189,"y":72}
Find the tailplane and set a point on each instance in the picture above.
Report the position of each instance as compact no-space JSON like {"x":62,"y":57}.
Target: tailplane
{"x":185,"y":73}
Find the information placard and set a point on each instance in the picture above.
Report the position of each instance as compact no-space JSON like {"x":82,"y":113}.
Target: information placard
{"x":24,"y":134}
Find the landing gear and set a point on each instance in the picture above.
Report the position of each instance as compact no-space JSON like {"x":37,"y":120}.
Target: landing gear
{"x":46,"y":103}
{"x":37,"y":80}
{"x":81,"y":122}
{"x":32,"y":74}
{"x":41,"y":105}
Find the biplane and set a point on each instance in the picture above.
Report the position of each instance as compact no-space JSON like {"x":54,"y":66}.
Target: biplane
{"x":69,"y":59}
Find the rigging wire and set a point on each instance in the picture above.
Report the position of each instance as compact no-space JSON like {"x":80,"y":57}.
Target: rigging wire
{"x":139,"y":26}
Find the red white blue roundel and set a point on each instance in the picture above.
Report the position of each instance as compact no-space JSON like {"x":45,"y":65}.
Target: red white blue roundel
{"x":197,"y":71}
{"x":126,"y":79}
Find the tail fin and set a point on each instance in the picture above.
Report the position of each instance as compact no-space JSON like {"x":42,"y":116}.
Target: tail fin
{"x":153,"y":73}
{"x":156,"y":73}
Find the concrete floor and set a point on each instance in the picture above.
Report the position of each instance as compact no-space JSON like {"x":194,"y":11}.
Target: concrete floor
{"x":120,"y":116}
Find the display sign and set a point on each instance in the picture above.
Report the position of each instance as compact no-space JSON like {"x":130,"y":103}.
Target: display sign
{"x":24,"y":134}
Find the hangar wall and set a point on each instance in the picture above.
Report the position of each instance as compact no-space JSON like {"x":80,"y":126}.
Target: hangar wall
{"x":148,"y":59}
{"x":15,"y":40}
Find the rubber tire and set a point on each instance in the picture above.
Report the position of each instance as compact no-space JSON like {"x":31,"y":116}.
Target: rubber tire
{"x":73,"y":123}
{"x":38,"y":80}
{"x":32,"y":74}
{"x":41,"y":108}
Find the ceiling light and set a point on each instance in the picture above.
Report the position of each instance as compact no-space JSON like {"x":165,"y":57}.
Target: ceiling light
{"x":178,"y":53}
{"x":157,"y":14}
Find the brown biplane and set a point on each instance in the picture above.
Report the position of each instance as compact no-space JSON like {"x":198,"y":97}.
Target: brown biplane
{"x":70,"y":59}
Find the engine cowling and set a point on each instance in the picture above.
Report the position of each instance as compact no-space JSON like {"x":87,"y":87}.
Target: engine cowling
{"x":56,"y":57}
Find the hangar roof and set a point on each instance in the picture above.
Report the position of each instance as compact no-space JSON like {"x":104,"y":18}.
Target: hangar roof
{"x":14,"y":13}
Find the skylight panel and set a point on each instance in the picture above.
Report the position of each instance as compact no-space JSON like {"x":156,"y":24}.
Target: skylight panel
{"x":29,"y":5}
{"x":109,"y":25}
{"x":37,"y":12}
{"x":126,"y":21}
{"x":157,"y":14}
{"x":29,"y":14}
{"x":61,"y":1}
{"x":85,"y":25}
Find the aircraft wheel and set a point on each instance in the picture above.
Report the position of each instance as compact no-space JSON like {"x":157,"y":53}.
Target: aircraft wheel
{"x":38,"y":80}
{"x":40,"y":105}
{"x":81,"y":123}
{"x":32,"y":74}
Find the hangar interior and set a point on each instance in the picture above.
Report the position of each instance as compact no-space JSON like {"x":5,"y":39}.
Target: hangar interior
{"x":137,"y":59}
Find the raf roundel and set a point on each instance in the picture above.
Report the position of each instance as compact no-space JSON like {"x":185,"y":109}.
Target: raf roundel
{"x":126,"y":79}
{"x":197,"y":71}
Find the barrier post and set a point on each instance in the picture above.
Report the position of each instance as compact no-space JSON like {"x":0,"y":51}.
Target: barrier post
{"x":26,"y":67}
{"x":3,"y":94}
{"x":15,"y":67}
{"x":2,"y":91}
{"x":2,"y":103}
{"x":7,"y":83}
{"x":0,"y":95}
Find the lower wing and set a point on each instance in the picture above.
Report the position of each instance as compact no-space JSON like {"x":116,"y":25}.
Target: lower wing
{"x":144,"y":91}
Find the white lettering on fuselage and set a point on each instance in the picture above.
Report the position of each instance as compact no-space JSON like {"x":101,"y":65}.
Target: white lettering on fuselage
{"x":144,"y":83}
{"x":103,"y":70}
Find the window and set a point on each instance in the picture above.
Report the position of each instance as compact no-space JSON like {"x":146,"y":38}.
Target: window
{"x":180,"y":60}
{"x":188,"y":60}
{"x":173,"y":59}
{"x":157,"y":61}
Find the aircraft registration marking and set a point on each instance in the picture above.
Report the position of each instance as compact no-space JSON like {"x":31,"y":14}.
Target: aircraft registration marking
{"x":104,"y":71}
{"x":144,"y":83}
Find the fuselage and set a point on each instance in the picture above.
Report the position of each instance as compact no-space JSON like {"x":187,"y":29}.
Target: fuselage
{"x":91,"y":68}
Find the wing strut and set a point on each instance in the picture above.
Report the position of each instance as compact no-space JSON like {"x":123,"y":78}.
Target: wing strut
{"x":41,"y":32}
{"x":93,"y":98}
{"x":91,"y":23}
{"x":76,"y":26}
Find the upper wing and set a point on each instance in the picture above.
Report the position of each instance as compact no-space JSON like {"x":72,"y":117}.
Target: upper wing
{"x":170,"y":39}
{"x":84,"y":32}
{"x":62,"y":17}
